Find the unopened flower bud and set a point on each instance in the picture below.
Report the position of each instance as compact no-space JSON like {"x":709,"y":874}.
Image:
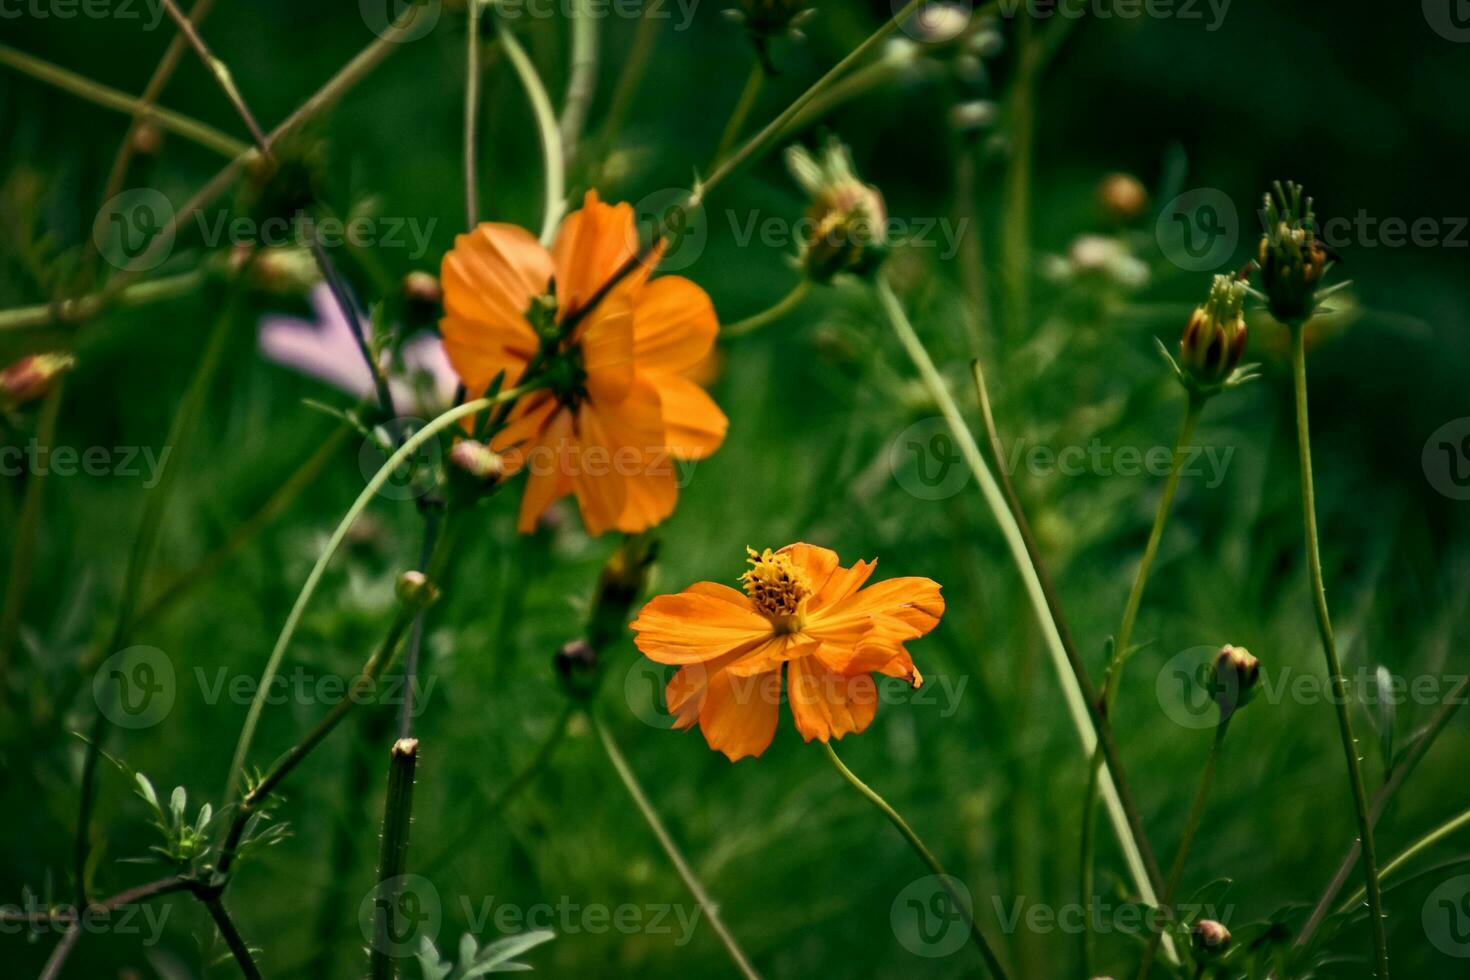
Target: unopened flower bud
{"x":423,"y":298}
{"x":973,"y":116}
{"x":1214,"y":338}
{"x":1291,"y":258}
{"x":847,"y":222}
{"x":32,"y":377}
{"x":576,"y":666}
{"x":282,"y":271}
{"x":147,"y":139}
{"x":1211,"y":937}
{"x":1122,"y":198}
{"x":1233,"y":677}
{"x":765,"y":19}
{"x":416,"y":591}
{"x":477,"y":459}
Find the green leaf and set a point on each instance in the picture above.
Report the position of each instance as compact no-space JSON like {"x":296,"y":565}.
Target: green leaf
{"x":176,"y":804}
{"x":430,"y":962}
{"x":498,"y":956}
{"x":145,"y":790}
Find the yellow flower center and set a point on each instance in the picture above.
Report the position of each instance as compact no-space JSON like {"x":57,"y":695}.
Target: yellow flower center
{"x":776,"y":586}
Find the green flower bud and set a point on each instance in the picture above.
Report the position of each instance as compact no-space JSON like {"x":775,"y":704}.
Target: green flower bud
{"x":416,"y":591}
{"x":847,"y":222}
{"x":1214,"y":338}
{"x":1233,"y":677}
{"x":1291,"y":258}
{"x":477,"y":459}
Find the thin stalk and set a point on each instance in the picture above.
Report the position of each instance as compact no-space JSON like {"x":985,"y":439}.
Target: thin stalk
{"x":239,"y":949}
{"x":110,"y":98}
{"x":27,"y":528}
{"x":1016,"y":226}
{"x":634,"y":67}
{"x":57,"y":960}
{"x":1381,"y":799}
{"x":220,"y":72}
{"x":691,"y":881}
{"x":155,"y":508}
{"x":76,"y":310}
{"x":1409,"y":853}
{"x":552,"y":153}
{"x":522,"y":779}
{"x":293,"y":619}
{"x":741,"y":112}
{"x":432,"y":520}
{"x":1078,"y":692}
{"x":393,"y":855}
{"x":972,"y":245}
{"x":771,"y":314}
{"x":345,"y":303}
{"x":988,"y":954}
{"x":582,"y":83}
{"x":472,"y":117}
{"x":1372,"y":888}
{"x":167,"y":65}
{"x":282,"y":498}
{"x":1181,"y":857}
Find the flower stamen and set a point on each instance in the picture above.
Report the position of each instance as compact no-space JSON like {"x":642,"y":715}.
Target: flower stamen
{"x":775,"y":584}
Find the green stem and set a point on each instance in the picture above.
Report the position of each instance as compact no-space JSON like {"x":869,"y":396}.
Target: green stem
{"x":1381,"y":799}
{"x":582,"y":82}
{"x":651,"y":817}
{"x":552,"y":153}
{"x":77,"y":310}
{"x":771,"y":314}
{"x":220,"y":72}
{"x":1111,"y":682}
{"x":110,"y":98}
{"x":1181,"y":857}
{"x":988,"y":954}
{"x":471,"y":117}
{"x":741,"y":112}
{"x":632,"y":76}
{"x":1408,"y":854}
{"x":1372,"y":888}
{"x":239,"y":949}
{"x":393,"y":856}
{"x":1078,"y":693}
{"x":293,"y":619}
{"x":1016,"y":227}
{"x":27,"y":528}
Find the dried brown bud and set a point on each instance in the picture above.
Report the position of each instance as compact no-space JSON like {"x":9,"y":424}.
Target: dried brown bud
{"x":1211,"y":937}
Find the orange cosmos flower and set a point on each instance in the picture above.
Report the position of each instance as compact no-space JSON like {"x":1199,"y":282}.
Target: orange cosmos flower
{"x":621,"y":404}
{"x":800,"y":610}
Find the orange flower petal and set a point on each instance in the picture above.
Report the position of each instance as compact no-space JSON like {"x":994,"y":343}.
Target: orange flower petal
{"x":696,"y":626}
{"x":814,"y":562}
{"x":772,"y":654}
{"x":492,"y":274}
{"x":739,"y":714}
{"x":694,"y":425}
{"x":910,"y":607}
{"x":607,"y":350}
{"x":548,"y":481}
{"x":674,"y":325}
{"x":593,"y":244}
{"x":827,"y":705}
{"x":479,"y":351}
{"x":842,"y":584}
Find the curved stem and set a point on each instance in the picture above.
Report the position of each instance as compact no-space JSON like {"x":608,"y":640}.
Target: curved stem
{"x":552,"y":153}
{"x":582,"y":82}
{"x":771,"y":314}
{"x":110,"y":98}
{"x":651,"y":817}
{"x":1372,"y":888}
{"x":1409,"y":853}
{"x":1181,"y":857}
{"x":895,"y":818}
{"x":1078,"y":693}
{"x":70,"y":311}
{"x":1381,"y":799}
{"x":293,"y":619}
{"x":741,"y":112}
{"x":472,"y":117}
